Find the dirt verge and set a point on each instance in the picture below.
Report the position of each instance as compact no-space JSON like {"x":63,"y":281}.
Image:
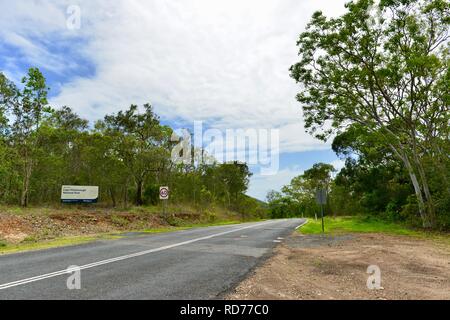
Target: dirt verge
{"x":40,"y":224}
{"x":317,"y":267}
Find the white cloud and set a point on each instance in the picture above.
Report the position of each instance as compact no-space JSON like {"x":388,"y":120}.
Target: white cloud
{"x":37,"y":55}
{"x":31,"y":27}
{"x":225,"y":61}
{"x":260,"y":185}
{"x":338,"y":164}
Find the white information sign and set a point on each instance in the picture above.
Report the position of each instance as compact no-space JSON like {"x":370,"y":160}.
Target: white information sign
{"x":79,"y":194}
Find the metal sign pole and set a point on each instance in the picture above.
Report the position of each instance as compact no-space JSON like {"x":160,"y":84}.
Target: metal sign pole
{"x":164,"y":208}
{"x":323,"y":226}
{"x":164,"y":197}
{"x":321,"y":198}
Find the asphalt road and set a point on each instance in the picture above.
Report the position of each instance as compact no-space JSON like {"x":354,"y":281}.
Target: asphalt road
{"x":200,"y":263}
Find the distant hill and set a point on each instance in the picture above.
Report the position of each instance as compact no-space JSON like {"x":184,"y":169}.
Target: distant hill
{"x":260,"y":202}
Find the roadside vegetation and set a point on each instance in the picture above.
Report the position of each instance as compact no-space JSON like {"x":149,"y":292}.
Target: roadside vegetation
{"x":377,"y":85}
{"x":29,"y":245}
{"x":128,"y":154}
{"x":375,"y":82}
{"x":357,"y":225}
{"x":39,"y":227}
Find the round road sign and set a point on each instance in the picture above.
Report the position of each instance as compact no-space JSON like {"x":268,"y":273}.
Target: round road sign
{"x":163,"y":193}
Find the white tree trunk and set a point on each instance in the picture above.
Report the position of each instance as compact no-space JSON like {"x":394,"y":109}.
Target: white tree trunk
{"x":417,"y":188}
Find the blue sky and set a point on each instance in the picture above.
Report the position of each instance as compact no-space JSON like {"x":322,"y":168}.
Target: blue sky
{"x":221,"y":62}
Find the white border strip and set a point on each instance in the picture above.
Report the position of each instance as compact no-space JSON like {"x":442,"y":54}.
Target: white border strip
{"x":301,"y":225}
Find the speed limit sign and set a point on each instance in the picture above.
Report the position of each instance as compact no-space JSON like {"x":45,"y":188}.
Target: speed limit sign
{"x":164,"y":193}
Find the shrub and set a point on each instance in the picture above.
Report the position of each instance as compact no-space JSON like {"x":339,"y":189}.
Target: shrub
{"x":210,"y":216}
{"x":119,"y":221}
{"x":151,"y":194}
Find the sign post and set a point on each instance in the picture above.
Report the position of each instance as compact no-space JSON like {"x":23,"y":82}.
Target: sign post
{"x":164,"y":196}
{"x":321,"y":198}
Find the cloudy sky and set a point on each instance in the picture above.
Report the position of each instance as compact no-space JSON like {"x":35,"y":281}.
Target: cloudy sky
{"x":221,"y":62}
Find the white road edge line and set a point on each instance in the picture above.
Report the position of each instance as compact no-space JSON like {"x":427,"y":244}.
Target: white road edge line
{"x":301,"y":225}
{"x":128,"y":256}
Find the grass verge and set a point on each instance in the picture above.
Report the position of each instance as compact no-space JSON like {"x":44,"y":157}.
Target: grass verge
{"x":359,"y":225}
{"x":8,"y":248}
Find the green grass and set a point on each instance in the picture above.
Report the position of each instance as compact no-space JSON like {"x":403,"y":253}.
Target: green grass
{"x":188,"y":225}
{"x":356,"y":224}
{"x":210,"y":224}
{"x":161,"y":230}
{"x":29,"y":245}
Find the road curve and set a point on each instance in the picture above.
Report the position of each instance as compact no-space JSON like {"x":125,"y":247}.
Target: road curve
{"x":200,"y":263}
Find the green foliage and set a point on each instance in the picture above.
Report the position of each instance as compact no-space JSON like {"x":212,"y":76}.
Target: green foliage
{"x":174,"y":221}
{"x":250,"y":208}
{"x":151,"y":194}
{"x":118,"y":220}
{"x":140,"y":141}
{"x":299,"y":197}
{"x":355,"y":224}
{"x":281,"y":206}
{"x":383,"y":82}
{"x":127,"y":154}
{"x":27,"y":107}
{"x":210,"y":216}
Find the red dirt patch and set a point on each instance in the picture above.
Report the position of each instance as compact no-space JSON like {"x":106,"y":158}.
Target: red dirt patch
{"x":17,"y":228}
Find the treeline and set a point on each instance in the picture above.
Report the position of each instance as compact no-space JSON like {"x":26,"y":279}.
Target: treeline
{"x":380,"y":85}
{"x":127,"y":154}
{"x":299,"y":197}
{"x":372,"y":182}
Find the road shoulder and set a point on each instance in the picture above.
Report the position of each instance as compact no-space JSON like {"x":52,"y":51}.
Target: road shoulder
{"x":335,"y":267}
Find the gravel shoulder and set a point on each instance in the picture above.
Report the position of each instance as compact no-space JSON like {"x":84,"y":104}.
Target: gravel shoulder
{"x":335,"y":267}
